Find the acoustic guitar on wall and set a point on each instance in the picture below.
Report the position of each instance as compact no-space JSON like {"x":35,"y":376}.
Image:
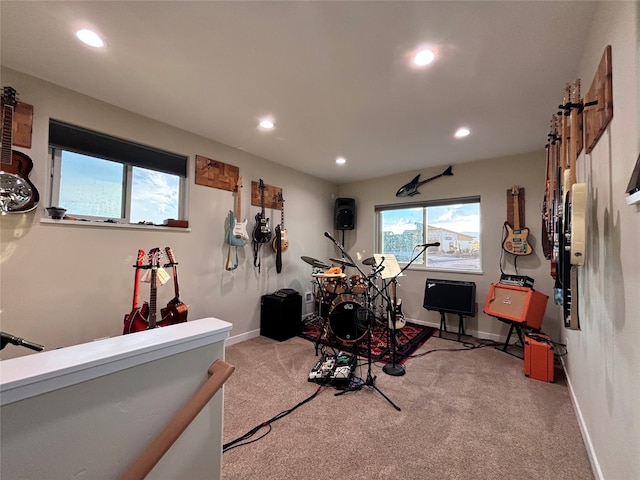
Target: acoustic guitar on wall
{"x":17,"y":193}
{"x":517,"y":239}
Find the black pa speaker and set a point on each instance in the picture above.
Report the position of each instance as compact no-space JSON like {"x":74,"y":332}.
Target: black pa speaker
{"x":450,"y":296}
{"x":345,"y":214}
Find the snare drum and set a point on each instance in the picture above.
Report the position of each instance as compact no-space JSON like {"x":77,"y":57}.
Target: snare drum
{"x":358,"y":284}
{"x":343,"y":319}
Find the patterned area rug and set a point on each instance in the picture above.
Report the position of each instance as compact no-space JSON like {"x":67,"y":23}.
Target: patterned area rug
{"x":409,"y":339}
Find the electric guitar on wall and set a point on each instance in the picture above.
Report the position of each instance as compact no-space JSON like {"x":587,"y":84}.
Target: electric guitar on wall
{"x":284,"y":242}
{"x":517,"y":239}
{"x":138,"y":314}
{"x":237,"y":235}
{"x":17,"y":193}
{"x":175,"y":311}
{"x":411,"y":188}
{"x":262,"y":230}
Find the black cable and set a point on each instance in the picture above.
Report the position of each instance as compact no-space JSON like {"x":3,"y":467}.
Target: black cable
{"x":236,"y":443}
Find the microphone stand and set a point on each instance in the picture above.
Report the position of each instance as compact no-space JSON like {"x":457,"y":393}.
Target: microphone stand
{"x":370,"y":380}
{"x":6,"y":338}
{"x":392,"y":368}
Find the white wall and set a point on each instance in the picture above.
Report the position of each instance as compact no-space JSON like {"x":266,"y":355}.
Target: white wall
{"x":604,"y":358}
{"x":63,"y":285}
{"x":490,"y":179}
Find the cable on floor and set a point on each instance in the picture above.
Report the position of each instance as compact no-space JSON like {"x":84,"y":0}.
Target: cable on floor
{"x":267,"y":424}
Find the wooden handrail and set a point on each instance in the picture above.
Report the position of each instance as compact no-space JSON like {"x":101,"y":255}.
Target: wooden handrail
{"x":219,"y":372}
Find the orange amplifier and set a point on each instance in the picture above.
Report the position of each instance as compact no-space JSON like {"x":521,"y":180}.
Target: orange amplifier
{"x":538,"y":357}
{"x":516,"y":304}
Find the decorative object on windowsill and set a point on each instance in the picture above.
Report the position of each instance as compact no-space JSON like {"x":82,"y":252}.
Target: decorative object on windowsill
{"x":56,"y":213}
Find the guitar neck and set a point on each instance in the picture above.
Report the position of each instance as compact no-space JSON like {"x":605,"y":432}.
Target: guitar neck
{"x":516,"y":213}
{"x":136,"y":284}
{"x":7,"y":133}
{"x":153,"y":298}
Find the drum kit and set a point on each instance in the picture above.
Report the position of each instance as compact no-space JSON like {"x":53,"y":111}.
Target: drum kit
{"x":344,"y":304}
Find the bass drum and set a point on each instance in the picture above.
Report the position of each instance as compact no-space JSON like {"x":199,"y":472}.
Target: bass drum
{"x":343,"y":319}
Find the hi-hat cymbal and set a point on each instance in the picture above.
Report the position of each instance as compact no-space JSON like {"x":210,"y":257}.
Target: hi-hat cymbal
{"x":371,"y":261}
{"x":314,"y":263}
{"x":342,"y":261}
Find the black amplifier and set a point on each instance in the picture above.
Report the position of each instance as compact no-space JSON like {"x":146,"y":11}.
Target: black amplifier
{"x":450,"y":296}
{"x":516,"y":280}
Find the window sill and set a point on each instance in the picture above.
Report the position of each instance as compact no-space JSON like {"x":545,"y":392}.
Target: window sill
{"x":101,"y":224}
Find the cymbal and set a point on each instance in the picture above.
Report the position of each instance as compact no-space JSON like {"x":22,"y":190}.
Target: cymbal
{"x":371,"y":261}
{"x":314,"y":263}
{"x":342,"y":261}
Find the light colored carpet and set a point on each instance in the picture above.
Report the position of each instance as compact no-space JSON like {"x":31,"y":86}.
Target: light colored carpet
{"x":464,"y":415}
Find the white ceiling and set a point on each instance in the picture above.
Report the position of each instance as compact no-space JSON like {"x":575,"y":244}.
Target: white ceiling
{"x":335,"y":75}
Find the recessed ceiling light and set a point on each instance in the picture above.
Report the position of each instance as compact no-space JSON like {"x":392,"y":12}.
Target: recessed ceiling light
{"x":90,"y":38}
{"x":424,"y":57}
{"x":341,"y":160}
{"x":267,"y":124}
{"x":462,"y":132}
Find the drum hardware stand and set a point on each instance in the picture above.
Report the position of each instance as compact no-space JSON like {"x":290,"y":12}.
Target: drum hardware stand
{"x":364,"y":315}
{"x":392,"y":368}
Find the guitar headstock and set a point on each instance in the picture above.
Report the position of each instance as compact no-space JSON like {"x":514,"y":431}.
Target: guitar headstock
{"x":170,"y":256}
{"x":9,"y":96}
{"x":154,"y":257}
{"x":280,"y":200}
{"x":515,"y":190}
{"x":575,"y":93}
{"x":140,"y":259}
{"x":238,"y":185}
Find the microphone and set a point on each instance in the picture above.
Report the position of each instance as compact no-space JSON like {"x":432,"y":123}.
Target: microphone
{"x":426,"y":245}
{"x":328,"y":235}
{"x":6,"y":338}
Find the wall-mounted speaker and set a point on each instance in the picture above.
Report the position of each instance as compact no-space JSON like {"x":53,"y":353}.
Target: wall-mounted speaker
{"x":345,"y":214}
{"x":517,"y":304}
{"x":450,"y":296}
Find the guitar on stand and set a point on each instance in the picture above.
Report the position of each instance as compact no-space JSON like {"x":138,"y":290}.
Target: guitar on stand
{"x":137,"y":314}
{"x":516,"y":241}
{"x":17,"y":193}
{"x":262,"y":230}
{"x":175,"y":311}
{"x":149,"y":321}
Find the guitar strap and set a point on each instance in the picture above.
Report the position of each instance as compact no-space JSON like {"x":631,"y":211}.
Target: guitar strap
{"x":226,"y":266}
{"x":278,"y":249}
{"x":256,"y":260}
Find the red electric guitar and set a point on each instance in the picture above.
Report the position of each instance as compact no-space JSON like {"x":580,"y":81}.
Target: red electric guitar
{"x":137,"y":314}
{"x":175,"y":311}
{"x":148,"y":320}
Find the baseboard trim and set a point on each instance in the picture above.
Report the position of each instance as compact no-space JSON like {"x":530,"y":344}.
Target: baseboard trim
{"x":454,"y":329}
{"x":586,"y":438}
{"x":242,"y":337}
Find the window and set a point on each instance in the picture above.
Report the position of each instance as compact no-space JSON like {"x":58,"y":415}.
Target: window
{"x":95,"y":176}
{"x":454,"y":223}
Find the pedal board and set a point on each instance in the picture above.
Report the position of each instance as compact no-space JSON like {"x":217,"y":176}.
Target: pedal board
{"x":336,"y":369}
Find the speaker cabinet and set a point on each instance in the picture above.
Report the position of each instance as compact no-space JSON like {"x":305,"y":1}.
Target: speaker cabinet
{"x":518,"y":304}
{"x":345,"y":214}
{"x":450,"y":296}
{"x":280,"y":317}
